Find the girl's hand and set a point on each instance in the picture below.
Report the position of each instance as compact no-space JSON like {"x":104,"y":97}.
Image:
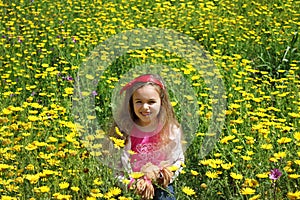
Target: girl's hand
{"x":143,"y":187}
{"x":165,"y":177}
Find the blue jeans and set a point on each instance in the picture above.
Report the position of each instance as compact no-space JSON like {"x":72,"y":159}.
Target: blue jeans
{"x":164,"y":194}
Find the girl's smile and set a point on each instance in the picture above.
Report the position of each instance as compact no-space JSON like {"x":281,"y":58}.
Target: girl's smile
{"x":146,"y":104}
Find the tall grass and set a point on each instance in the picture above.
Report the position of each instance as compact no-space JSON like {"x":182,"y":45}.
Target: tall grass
{"x":254,"y":44}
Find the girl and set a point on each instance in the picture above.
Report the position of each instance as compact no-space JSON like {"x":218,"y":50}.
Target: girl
{"x":152,"y":134}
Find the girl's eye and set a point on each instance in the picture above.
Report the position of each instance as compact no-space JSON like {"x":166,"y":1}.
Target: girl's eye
{"x":152,"y":102}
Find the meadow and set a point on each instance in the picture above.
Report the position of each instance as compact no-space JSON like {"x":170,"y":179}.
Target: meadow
{"x":254,"y":45}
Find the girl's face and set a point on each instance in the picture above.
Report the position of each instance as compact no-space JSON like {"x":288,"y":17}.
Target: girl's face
{"x":146,"y":104}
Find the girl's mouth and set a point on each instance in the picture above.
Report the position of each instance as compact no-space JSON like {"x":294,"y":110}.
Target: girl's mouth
{"x":145,"y":113}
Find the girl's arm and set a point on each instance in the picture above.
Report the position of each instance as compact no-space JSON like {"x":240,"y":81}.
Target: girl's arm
{"x":176,"y":154}
{"x":124,"y":166}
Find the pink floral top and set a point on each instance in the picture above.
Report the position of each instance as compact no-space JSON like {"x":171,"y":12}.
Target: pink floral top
{"x":147,"y":149}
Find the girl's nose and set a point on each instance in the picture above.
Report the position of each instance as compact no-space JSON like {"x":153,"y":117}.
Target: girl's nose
{"x":145,"y":106}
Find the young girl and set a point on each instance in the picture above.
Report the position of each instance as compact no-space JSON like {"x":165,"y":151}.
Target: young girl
{"x":153,"y":135}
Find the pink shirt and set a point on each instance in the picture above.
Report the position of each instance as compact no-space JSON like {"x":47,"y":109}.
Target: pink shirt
{"x":147,"y":149}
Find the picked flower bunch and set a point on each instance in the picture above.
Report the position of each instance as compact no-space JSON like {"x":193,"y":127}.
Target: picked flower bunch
{"x":151,"y":176}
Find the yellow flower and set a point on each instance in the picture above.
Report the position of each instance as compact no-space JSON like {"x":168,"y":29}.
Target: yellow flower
{"x":33,"y":118}
{"x":8,"y":198}
{"x":251,"y":182}
{"x":226,"y":139}
{"x":91,"y":198}
{"x":69,"y":90}
{"x":246,"y":158}
{"x":280,"y":155}
{"x":118,"y":131}
{"x":297,"y":136}
{"x":266,"y":146}
{"x":124,"y":198}
{"x":63,"y":196}
{"x":236,"y":176}
{"x":115,"y":191}
{"x":136,"y":175}
{"x":63,"y":185}
{"x":294,"y":115}
{"x":294,"y":176}
{"x":227,"y":165}
{"x":52,"y":139}
{"x":90,"y":117}
{"x":264,"y":175}
{"x":173,"y":103}
{"x":98,"y":182}
{"x":211,"y":174}
{"x":42,"y":189}
{"x":195,"y":173}
{"x":30,"y":167}
{"x":76,"y":189}
{"x":294,"y":195}
{"x":188,"y":191}
{"x":173,"y":168}
{"x":131,"y":152}
{"x":118,"y":142}
{"x":125,"y":181}
{"x":96,"y":193}
{"x":255,"y":197}
{"x":284,"y":140}
{"x":5,"y":166}
{"x":247,"y":190}
{"x":30,"y":147}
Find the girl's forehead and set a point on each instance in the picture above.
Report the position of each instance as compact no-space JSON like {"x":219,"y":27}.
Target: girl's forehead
{"x":146,"y":91}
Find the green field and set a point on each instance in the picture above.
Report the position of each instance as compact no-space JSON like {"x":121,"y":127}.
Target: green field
{"x":254,"y":45}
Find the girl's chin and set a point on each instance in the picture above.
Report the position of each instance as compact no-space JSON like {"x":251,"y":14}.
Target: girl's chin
{"x":145,"y":121}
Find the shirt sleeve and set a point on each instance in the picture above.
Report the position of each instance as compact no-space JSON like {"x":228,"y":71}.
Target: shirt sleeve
{"x":176,"y":157}
{"x":122,"y":162}
{"x":125,"y":158}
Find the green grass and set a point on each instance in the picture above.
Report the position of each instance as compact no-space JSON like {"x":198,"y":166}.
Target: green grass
{"x":254,"y":45}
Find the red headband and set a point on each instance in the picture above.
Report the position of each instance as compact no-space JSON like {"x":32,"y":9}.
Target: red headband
{"x":143,"y":79}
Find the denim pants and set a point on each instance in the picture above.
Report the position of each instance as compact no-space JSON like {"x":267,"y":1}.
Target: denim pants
{"x":164,"y":194}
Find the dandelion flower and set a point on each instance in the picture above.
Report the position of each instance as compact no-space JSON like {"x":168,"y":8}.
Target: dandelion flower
{"x":247,"y":191}
{"x":63,"y":185}
{"x":195,"y":173}
{"x":211,"y":174}
{"x":118,"y":143}
{"x":284,"y":140}
{"x":97,"y":182}
{"x":264,"y":175}
{"x":188,"y":191}
{"x":255,"y":197}
{"x":294,"y":195}
{"x":118,"y":131}
{"x":294,"y":176}
{"x":136,"y":175}
{"x":115,"y":191}
{"x":75,"y":189}
{"x":236,"y":176}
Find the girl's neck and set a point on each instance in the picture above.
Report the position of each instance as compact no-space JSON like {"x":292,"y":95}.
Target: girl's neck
{"x":148,"y":128}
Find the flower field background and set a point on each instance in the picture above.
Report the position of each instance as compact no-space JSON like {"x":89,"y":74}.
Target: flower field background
{"x":254,"y":44}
